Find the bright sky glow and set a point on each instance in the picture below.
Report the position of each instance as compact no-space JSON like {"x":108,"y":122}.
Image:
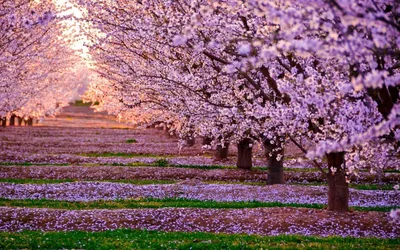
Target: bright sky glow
{"x":73,"y":27}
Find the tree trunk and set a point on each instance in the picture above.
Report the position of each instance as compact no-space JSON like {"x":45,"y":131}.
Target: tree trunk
{"x":244,"y":160}
{"x":30,"y":121}
{"x":190,"y":141}
{"x":222,"y":152}
{"x":12,"y":120}
{"x":20,"y":120}
{"x":3,"y":121}
{"x":206,"y":141}
{"x":274,"y":153}
{"x":338,"y":192}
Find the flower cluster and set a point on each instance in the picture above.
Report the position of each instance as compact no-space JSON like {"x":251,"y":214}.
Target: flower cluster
{"x":240,"y":71}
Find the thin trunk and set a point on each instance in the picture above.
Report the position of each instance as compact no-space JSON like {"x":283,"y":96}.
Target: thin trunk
{"x":274,"y":153}
{"x":207,"y":140}
{"x":222,"y":152}
{"x":30,"y":121}
{"x":338,"y":192}
{"x":3,"y":121}
{"x":244,"y":160}
{"x":190,"y":141}
{"x":20,"y":120}
{"x":12,"y":120}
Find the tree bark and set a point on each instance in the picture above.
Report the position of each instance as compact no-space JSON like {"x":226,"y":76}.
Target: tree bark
{"x":274,"y":153}
{"x":30,"y":121}
{"x":190,"y":141}
{"x":3,"y":121}
{"x":338,"y":188}
{"x":221,"y":152}
{"x":244,"y":160}
{"x":207,"y":140}
{"x":12,"y":120}
{"x":20,"y":120}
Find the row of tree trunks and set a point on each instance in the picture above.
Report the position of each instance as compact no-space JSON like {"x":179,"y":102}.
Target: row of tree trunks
{"x":338,"y":188}
{"x":273,"y":152}
{"x":16,"y":120}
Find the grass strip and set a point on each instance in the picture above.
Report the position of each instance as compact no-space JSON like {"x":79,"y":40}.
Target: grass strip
{"x":121,"y":154}
{"x":80,"y":103}
{"x":131,"y":141}
{"x":143,"y":239}
{"x":161,"y":203}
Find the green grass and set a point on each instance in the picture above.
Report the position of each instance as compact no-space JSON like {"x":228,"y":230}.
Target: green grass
{"x":131,"y":141}
{"x":372,"y":186}
{"x":394,"y":171}
{"x":161,"y":163}
{"x":80,"y":103}
{"x":160,"y":203}
{"x":120,"y":154}
{"x":142,"y":239}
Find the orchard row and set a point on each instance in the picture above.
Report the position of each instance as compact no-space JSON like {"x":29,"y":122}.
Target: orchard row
{"x":39,"y":71}
{"x":323,"y":75}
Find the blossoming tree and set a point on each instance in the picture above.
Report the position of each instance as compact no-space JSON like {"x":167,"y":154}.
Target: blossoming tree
{"x":326,"y":72}
{"x":36,"y":61}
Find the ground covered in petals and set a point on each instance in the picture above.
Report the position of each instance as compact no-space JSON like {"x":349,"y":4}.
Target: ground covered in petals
{"x":93,"y":191}
{"x":85,"y":171}
{"x":261,"y":221}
